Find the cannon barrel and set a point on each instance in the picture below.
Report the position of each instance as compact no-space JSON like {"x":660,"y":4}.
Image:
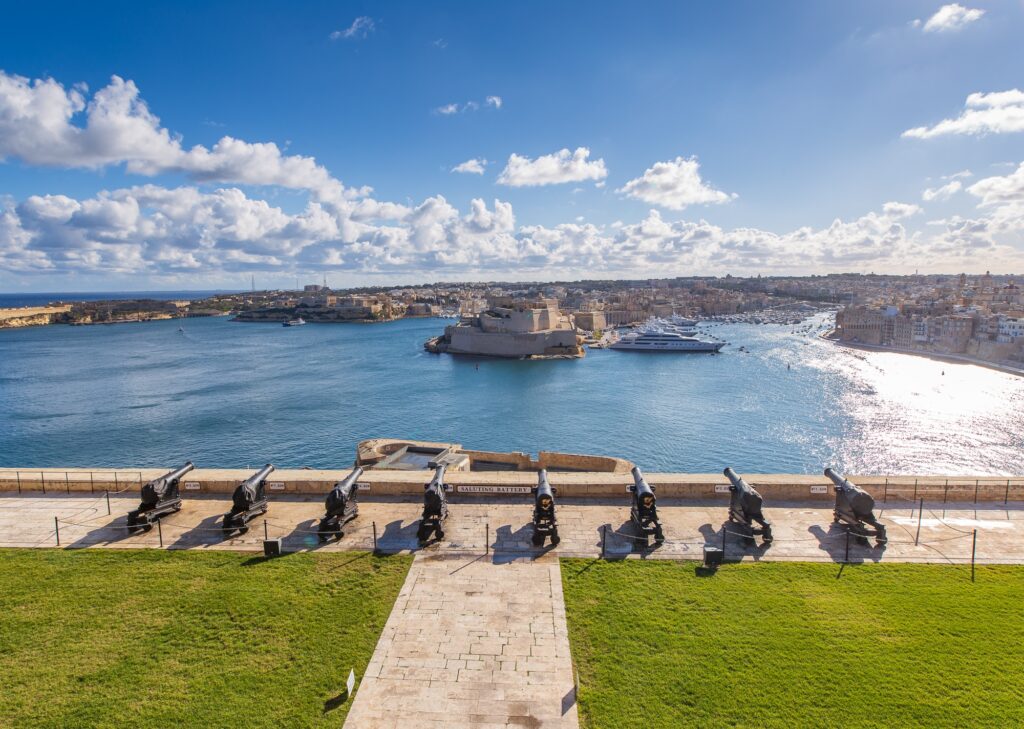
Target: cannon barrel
{"x":338,"y":496}
{"x":735,"y":480}
{"x":640,"y":485}
{"x":859,"y":501}
{"x":247,"y":492}
{"x":438,"y":479}
{"x":839,"y":481}
{"x":154,"y":490}
{"x":544,"y":489}
{"x":259,"y":476}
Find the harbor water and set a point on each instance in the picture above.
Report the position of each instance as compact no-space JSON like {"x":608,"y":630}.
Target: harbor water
{"x":227,"y":394}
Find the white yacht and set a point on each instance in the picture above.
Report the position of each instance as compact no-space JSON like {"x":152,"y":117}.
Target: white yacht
{"x":665,"y":341}
{"x":297,"y":322}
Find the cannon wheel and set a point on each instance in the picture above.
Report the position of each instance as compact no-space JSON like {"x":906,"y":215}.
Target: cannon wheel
{"x":422,"y":533}
{"x":659,"y":535}
{"x":538,"y":539}
{"x":148,"y":527}
{"x":555,"y":539}
{"x":244,"y":529}
{"x":439,"y":532}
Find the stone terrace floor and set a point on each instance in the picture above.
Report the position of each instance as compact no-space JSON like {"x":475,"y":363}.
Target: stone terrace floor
{"x":802,"y":532}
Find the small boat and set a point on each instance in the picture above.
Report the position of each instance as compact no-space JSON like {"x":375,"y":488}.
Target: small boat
{"x":296,"y":322}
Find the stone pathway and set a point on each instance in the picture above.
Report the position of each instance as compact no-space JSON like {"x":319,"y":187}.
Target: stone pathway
{"x":472,"y":642}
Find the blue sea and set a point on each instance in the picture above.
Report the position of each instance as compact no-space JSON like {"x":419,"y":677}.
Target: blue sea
{"x":229,"y":394}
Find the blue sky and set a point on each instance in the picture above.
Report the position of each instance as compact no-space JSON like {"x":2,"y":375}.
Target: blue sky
{"x":771,"y":121}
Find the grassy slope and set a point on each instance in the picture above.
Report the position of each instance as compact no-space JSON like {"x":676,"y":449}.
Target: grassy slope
{"x":777,"y":644}
{"x":154,"y":638}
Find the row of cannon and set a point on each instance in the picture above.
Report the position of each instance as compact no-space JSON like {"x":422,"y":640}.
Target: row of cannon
{"x":854,"y":507}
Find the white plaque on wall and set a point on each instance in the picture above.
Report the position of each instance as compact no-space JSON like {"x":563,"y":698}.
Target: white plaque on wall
{"x":819,"y":489}
{"x":277,"y":486}
{"x":721,"y":488}
{"x":192,"y":486}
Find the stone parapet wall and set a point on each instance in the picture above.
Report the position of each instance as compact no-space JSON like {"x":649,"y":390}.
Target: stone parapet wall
{"x":510,"y":484}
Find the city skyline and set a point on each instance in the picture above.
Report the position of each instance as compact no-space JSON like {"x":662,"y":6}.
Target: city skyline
{"x":384,"y":144}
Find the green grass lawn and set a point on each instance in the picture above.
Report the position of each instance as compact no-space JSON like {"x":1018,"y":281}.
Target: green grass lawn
{"x":150,"y":638}
{"x":777,"y":644}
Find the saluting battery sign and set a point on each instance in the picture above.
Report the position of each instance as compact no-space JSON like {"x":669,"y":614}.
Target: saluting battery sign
{"x":470,"y":489}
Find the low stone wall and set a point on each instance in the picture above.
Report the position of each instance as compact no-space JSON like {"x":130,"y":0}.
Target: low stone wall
{"x":512,"y":484}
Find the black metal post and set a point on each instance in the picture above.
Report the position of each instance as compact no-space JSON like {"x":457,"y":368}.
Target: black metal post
{"x":266,"y":534}
{"x":974,"y":547}
{"x":847,"y":559}
{"x":487,"y":538}
{"x":1006,"y":496}
{"x":920,"y":511}
{"x":885,"y":493}
{"x":375,"y":537}
{"x":17,"y":475}
{"x":160,"y":533}
{"x":67,"y":484}
{"x":56,"y":529}
{"x":976,"y":491}
{"x":725,"y":533}
{"x":604,"y":538}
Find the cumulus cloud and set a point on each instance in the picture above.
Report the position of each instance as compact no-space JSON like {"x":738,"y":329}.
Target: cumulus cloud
{"x":552,"y":169}
{"x":361,"y":28}
{"x":999,"y":112}
{"x":674,"y":185}
{"x":950,"y":18}
{"x":471,"y":166}
{"x":942,"y":193}
{"x":37,"y":126}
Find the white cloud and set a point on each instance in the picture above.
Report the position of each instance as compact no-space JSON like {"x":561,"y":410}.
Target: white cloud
{"x":962,"y":174}
{"x":552,"y":169}
{"x":674,"y":185}
{"x":949,"y":18}
{"x":493,"y":102}
{"x":471,"y":166}
{"x":37,"y":126}
{"x":942,"y":193}
{"x":361,"y":28}
{"x":999,"y":112}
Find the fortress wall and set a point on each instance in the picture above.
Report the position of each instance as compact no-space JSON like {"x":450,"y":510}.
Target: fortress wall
{"x":774,"y":487}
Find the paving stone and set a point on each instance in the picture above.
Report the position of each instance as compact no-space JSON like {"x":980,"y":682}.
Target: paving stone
{"x":479,"y":688}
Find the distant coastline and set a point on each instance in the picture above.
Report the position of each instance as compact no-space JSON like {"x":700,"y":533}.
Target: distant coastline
{"x":938,"y":357}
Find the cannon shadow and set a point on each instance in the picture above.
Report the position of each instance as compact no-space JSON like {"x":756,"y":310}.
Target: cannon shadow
{"x":833,"y":542}
{"x":737,"y":546}
{"x":397,"y":537}
{"x":205,"y":532}
{"x":112,"y":532}
{"x":303,"y":536}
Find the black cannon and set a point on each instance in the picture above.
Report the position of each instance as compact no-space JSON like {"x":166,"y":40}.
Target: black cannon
{"x":341,"y":506}
{"x":544,"y":522}
{"x":855,"y":509}
{"x":435,"y":507}
{"x":159,"y":497}
{"x":745,"y":508}
{"x":248,"y":501}
{"x":644,"y":512}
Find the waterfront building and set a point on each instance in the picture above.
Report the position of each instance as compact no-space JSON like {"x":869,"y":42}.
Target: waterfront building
{"x":511,"y":327}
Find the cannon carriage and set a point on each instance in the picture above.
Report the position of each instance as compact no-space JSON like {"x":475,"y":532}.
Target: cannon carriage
{"x":435,"y":507}
{"x":644,"y":511}
{"x":855,"y":509}
{"x":545,"y":524}
{"x":247,"y":502}
{"x":159,"y":497}
{"x":745,"y":509}
{"x":341,"y":507}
